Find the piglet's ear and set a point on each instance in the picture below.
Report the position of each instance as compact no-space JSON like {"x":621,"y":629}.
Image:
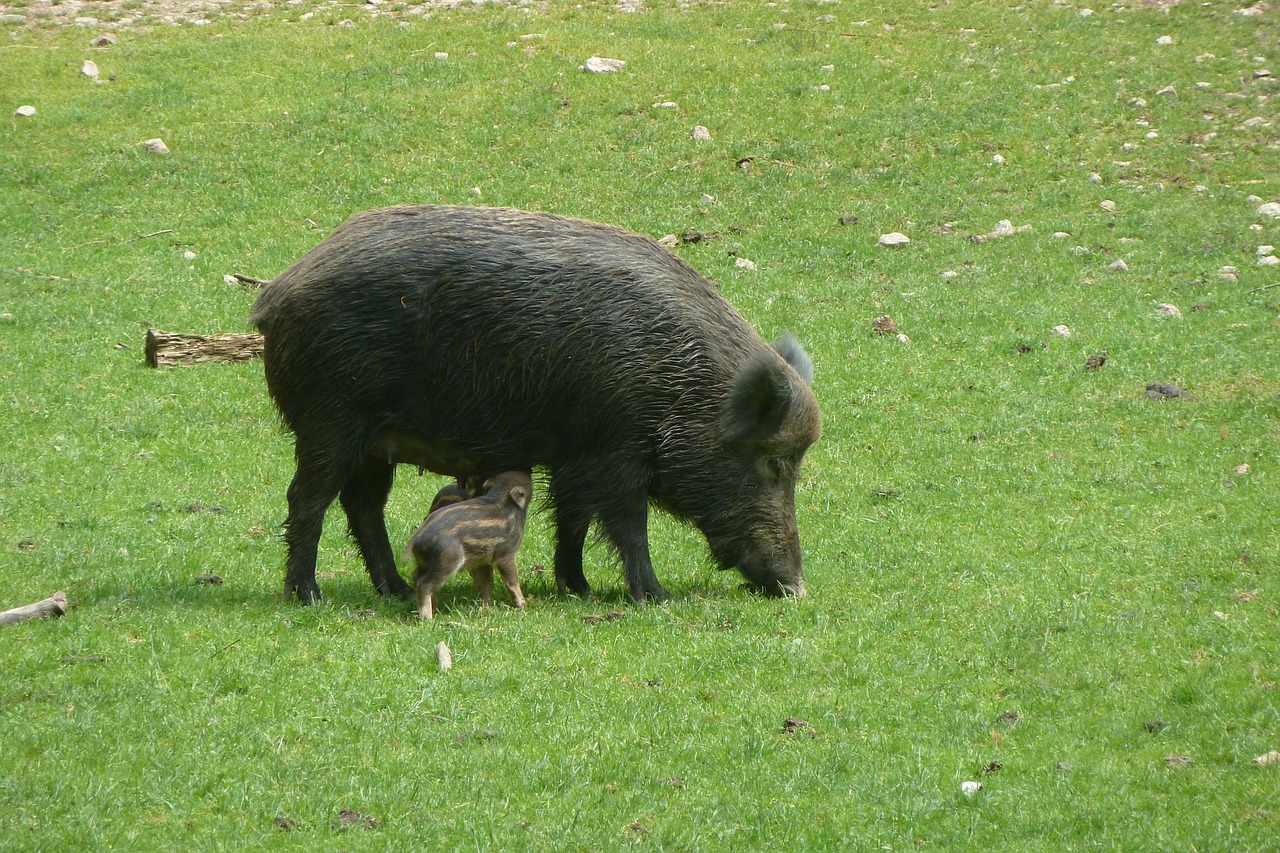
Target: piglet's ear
{"x":759,"y":401}
{"x":519,"y":496}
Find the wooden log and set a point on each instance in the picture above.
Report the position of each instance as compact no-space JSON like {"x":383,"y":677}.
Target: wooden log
{"x":55,"y":606}
{"x":166,"y":348}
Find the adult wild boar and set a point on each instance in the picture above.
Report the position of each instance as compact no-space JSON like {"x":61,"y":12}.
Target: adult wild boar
{"x":469,"y":341}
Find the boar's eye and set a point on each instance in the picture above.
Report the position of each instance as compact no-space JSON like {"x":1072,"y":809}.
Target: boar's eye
{"x":777,"y":469}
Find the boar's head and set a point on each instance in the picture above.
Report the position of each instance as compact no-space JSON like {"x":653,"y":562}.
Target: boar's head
{"x":745,"y":485}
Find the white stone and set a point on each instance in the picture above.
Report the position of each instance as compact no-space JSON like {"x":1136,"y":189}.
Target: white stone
{"x":1095,"y":178}
{"x":156,"y":146}
{"x":104,"y":40}
{"x":1169,"y":311}
{"x":1204,"y":85}
{"x":1062,"y":331}
{"x":1117,"y":266}
{"x":188,"y":255}
{"x":601,"y":65}
{"x":824,"y":88}
{"x":1256,"y":121}
{"x":828,"y":68}
{"x":950,"y":274}
{"x":1265,"y":250}
{"x":89,"y":69}
{"x":744,"y":264}
{"x":665,"y":105}
{"x":708,"y":199}
{"x":1109,"y":206}
{"x":1269,"y":261}
{"x":998,"y":160}
{"x":1086,"y":13}
{"x":1004,"y":228}
{"x":1164,"y":40}
{"x":669,"y":240}
{"x":1060,"y":235}
{"x":346,"y":22}
{"x":1151,"y":134}
{"x":903,"y":338}
{"x":442,"y":56}
{"x":893,"y":240}
{"x":969,"y":789}
{"x":25,"y":111}
{"x":1167,"y":90}
{"x":700,"y":133}
{"x":1271,"y":208}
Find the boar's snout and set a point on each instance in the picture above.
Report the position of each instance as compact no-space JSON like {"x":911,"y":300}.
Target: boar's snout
{"x":783,"y":579}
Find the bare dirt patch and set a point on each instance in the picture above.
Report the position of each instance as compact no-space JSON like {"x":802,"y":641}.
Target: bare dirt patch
{"x":125,"y":13}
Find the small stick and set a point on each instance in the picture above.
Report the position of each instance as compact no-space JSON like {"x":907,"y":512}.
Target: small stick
{"x":55,"y":606}
{"x":244,"y":279}
{"x":1265,"y":287}
{"x":152,"y":234}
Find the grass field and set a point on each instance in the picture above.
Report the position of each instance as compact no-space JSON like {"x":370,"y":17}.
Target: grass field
{"x":1022,"y":572}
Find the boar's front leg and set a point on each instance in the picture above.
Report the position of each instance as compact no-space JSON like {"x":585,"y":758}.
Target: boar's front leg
{"x":364,"y":498}
{"x":626,"y":522}
{"x":573,"y":520}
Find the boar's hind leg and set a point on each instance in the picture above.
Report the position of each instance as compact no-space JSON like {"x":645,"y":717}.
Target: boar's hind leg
{"x":626,"y":522}
{"x":364,"y":498}
{"x":312,"y":490}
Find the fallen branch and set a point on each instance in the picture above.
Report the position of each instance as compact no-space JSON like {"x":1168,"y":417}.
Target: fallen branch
{"x":55,"y":606}
{"x":1265,"y":287}
{"x":171,"y":348}
{"x":249,"y":280}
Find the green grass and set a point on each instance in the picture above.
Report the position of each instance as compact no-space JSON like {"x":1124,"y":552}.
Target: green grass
{"x":988,"y":527}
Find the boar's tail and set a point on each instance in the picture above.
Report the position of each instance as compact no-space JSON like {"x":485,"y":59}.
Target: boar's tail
{"x":264,"y":307}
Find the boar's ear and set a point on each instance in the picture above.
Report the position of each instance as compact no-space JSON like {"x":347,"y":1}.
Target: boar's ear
{"x":519,"y":496}
{"x":759,"y":401}
{"x":793,"y":353}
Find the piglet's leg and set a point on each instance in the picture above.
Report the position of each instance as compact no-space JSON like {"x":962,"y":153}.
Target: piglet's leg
{"x":507,"y":566}
{"x":482,"y":579}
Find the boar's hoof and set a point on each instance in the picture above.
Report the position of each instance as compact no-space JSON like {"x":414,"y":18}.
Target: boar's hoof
{"x":582,"y":590}
{"x":656,"y":595}
{"x":396,"y":586}
{"x":307,"y":591}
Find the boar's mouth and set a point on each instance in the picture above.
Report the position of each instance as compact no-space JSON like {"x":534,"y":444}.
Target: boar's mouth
{"x":778,"y":589}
